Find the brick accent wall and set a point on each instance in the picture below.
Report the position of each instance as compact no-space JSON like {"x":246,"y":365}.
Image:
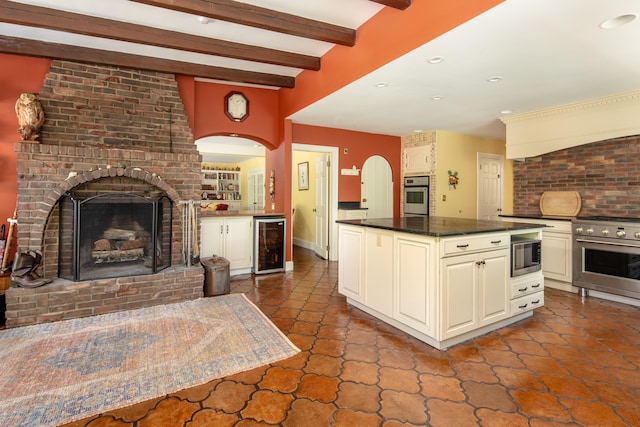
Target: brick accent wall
{"x":605,"y":173}
{"x":114,"y":128}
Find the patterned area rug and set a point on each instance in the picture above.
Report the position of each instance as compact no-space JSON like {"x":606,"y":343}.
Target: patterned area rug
{"x":59,"y":372}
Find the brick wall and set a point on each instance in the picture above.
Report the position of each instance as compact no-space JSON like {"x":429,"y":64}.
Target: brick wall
{"x":113,"y":128}
{"x":605,"y":173}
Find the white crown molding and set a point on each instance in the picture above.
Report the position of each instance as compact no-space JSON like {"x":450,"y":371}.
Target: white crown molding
{"x":551,"y":129}
{"x":570,"y":108}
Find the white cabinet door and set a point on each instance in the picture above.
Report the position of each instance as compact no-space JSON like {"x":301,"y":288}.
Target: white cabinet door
{"x":494,"y":287}
{"x":230,"y":238}
{"x":415,"y":282}
{"x":475,"y":291}
{"x":351,"y":262}
{"x":459,"y":296}
{"x":239,"y":242}
{"x":556,"y":256}
{"x":211,"y":237}
{"x":378,"y":271}
{"x":417,"y":160}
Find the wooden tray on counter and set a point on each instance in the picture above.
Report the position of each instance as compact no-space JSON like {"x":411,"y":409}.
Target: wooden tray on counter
{"x":560,"y":203}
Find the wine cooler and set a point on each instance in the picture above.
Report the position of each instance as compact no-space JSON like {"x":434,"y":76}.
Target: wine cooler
{"x":269,"y":245}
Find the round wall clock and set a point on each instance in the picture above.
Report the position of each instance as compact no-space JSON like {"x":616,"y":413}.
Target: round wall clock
{"x":236,"y":106}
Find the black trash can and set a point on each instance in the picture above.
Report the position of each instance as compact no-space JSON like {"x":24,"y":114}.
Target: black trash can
{"x":216,"y":276}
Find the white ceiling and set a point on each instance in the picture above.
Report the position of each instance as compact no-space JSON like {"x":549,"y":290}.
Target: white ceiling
{"x":547,"y":52}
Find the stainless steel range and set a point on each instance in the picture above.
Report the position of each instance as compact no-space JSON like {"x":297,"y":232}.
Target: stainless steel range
{"x":606,"y":255}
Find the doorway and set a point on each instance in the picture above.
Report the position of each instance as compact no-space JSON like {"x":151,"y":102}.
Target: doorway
{"x":329,"y":228}
{"x":377,"y":187}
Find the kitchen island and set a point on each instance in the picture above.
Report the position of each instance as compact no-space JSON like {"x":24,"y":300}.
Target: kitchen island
{"x":442,"y":280}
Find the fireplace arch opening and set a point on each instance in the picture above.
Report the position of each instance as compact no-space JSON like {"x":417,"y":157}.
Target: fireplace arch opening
{"x":113,"y":234}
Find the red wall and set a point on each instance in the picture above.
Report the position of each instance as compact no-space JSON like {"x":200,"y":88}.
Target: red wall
{"x":360,"y":146}
{"x":18,"y":74}
{"x":261,"y":124}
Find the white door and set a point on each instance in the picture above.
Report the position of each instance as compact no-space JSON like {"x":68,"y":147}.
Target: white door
{"x":256,"y":189}
{"x":377,"y":188}
{"x":490,"y":168}
{"x":321,"y":245}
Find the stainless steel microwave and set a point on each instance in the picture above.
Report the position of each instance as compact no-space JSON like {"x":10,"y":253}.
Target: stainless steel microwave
{"x":526,"y":257}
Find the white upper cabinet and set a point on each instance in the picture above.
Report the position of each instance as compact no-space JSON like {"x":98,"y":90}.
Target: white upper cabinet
{"x":417,"y":160}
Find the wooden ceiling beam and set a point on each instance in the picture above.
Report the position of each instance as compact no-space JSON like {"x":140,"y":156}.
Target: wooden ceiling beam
{"x":19,"y":46}
{"x":259,"y":17}
{"x":35,"y":16}
{"x":396,"y":4}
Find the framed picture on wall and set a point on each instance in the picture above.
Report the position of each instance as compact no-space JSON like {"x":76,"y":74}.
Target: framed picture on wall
{"x":303,"y":176}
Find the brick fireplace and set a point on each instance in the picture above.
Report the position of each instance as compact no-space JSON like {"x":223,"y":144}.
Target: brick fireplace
{"x":107,"y":129}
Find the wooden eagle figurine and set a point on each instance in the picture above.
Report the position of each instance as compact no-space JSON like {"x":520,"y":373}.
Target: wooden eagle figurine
{"x":30,"y":116}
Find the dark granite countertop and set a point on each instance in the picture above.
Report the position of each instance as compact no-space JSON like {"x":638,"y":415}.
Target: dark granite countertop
{"x":548,"y":217}
{"x":210,"y":213}
{"x":438,"y":226}
{"x":350,"y":206}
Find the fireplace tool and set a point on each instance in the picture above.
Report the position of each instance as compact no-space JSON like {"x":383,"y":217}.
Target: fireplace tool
{"x":190,"y":249}
{"x":7,"y":249}
{"x":195,"y":249}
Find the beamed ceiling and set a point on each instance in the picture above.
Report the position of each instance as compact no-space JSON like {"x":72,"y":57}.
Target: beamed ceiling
{"x":49,"y":15}
{"x":520,"y":55}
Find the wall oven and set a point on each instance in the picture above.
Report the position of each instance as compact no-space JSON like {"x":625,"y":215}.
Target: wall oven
{"x":416,"y":195}
{"x":606,"y":255}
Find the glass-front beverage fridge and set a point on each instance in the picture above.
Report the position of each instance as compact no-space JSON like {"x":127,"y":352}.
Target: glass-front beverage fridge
{"x":269,"y":245}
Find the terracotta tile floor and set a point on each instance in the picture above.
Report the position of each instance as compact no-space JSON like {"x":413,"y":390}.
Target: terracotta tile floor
{"x":574,"y":363}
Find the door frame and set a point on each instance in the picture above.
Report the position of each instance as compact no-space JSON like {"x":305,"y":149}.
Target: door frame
{"x":332,"y":192}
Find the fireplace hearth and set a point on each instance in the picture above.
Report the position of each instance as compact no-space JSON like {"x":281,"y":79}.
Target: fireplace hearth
{"x":112,"y":235}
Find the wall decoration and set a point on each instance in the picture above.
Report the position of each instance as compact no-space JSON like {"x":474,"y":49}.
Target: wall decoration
{"x":453,"y":179}
{"x":303,"y":176}
{"x":272,"y":184}
{"x":30,"y":116}
{"x":236,"y":106}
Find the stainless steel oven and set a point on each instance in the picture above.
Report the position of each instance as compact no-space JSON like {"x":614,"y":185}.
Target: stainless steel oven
{"x":416,"y":195}
{"x":606,"y":255}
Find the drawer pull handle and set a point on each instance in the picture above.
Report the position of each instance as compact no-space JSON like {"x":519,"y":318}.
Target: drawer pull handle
{"x":495,"y":242}
{"x":536,"y":285}
{"x":523,"y":289}
{"x":535,"y":302}
{"x":523,"y":306}
{"x":462,"y":246}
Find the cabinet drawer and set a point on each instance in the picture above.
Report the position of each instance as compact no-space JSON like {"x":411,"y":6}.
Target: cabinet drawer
{"x":460,"y":245}
{"x":526,"y":285}
{"x":527,"y":302}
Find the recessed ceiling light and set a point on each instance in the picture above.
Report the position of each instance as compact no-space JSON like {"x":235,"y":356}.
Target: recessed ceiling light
{"x":382,"y":84}
{"x":495,"y":79}
{"x":507,"y":111}
{"x":203,"y":20}
{"x":436,"y":98}
{"x":618,"y":21}
{"x":435,"y":59}
{"x":418,"y":131}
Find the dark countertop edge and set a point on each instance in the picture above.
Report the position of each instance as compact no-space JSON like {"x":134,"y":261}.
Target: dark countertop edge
{"x":506,"y":226}
{"x":543,"y":217}
{"x":204,"y":213}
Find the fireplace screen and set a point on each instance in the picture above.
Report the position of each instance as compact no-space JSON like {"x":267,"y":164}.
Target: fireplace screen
{"x":113,"y":235}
